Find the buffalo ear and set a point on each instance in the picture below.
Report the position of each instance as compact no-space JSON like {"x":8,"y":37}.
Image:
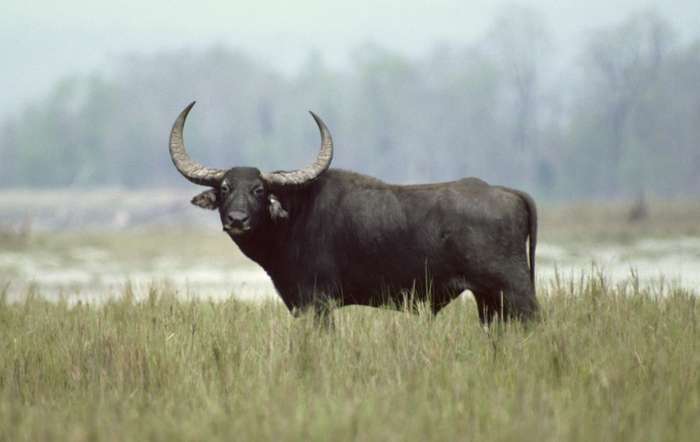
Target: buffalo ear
{"x":206,"y":200}
{"x":277,"y":212}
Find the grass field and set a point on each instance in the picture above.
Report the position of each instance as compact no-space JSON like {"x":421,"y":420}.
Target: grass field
{"x":606,"y":362}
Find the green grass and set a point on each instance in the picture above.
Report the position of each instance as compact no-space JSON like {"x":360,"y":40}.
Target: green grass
{"x":604,"y":363}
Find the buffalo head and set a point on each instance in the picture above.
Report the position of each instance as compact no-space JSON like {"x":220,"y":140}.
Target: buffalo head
{"x":244,"y":196}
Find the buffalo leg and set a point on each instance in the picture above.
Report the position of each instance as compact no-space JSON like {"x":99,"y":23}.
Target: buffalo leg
{"x":506,"y":304}
{"x":507,"y":293}
{"x":488,"y":305}
{"x":321,"y":311}
{"x":520,"y":302}
{"x":323,"y":316}
{"x":320,"y":315}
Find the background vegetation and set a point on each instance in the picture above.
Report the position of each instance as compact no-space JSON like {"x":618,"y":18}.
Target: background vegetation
{"x":614,"y":118}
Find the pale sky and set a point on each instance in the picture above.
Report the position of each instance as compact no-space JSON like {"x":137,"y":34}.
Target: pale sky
{"x":42,"y":41}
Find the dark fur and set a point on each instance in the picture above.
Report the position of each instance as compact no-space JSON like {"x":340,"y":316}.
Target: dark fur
{"x":351,"y":239}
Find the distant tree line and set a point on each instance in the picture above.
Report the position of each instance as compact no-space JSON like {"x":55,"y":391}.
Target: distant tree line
{"x":621,"y":119}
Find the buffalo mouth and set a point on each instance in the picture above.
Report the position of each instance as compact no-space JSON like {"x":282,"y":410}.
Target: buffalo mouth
{"x":236,"y":230}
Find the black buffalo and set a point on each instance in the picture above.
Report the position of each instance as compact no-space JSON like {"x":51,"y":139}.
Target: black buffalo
{"x":334,"y":237}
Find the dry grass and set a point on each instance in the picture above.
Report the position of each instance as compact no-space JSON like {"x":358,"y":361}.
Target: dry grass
{"x":605,"y":363}
{"x":609,"y":221}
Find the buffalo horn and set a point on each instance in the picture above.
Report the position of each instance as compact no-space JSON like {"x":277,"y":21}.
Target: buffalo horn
{"x":190,"y":169}
{"x":310,"y":173}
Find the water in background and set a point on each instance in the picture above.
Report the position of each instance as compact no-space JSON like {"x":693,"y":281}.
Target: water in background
{"x":91,"y":246}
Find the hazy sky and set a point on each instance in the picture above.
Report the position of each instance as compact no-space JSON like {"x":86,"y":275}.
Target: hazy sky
{"x":42,"y":41}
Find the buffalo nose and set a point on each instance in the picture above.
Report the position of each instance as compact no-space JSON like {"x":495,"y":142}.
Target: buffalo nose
{"x":237,"y":218}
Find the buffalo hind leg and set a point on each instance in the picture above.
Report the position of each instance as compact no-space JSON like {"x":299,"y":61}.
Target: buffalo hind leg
{"x":519,"y":302}
{"x":508,"y":304}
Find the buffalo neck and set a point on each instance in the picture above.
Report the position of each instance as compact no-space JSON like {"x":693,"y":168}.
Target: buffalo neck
{"x":265,"y":244}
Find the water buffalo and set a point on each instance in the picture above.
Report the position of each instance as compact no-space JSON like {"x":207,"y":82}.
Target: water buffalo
{"x":335,"y":237}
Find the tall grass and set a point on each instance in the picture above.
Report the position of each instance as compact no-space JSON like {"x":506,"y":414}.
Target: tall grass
{"x":604,"y":363}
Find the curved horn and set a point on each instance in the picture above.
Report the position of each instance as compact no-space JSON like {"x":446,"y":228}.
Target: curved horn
{"x":190,"y":169}
{"x":310,"y":173}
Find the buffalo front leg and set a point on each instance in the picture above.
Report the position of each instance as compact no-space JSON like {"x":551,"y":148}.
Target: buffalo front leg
{"x":320,"y":308}
{"x":488,"y":306}
{"x":322,"y":314}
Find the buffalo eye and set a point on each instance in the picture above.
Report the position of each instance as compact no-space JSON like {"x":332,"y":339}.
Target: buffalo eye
{"x":224,"y":189}
{"x":258,"y":191}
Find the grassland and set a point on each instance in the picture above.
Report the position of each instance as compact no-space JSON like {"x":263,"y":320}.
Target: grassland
{"x":605,"y":362}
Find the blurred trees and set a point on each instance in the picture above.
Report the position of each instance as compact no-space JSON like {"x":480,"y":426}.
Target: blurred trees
{"x":521,"y":45}
{"x":621,"y":107}
{"x":626,"y":119}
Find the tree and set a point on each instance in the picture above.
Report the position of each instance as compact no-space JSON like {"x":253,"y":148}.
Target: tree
{"x":621,"y":64}
{"x":520,"y":43}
